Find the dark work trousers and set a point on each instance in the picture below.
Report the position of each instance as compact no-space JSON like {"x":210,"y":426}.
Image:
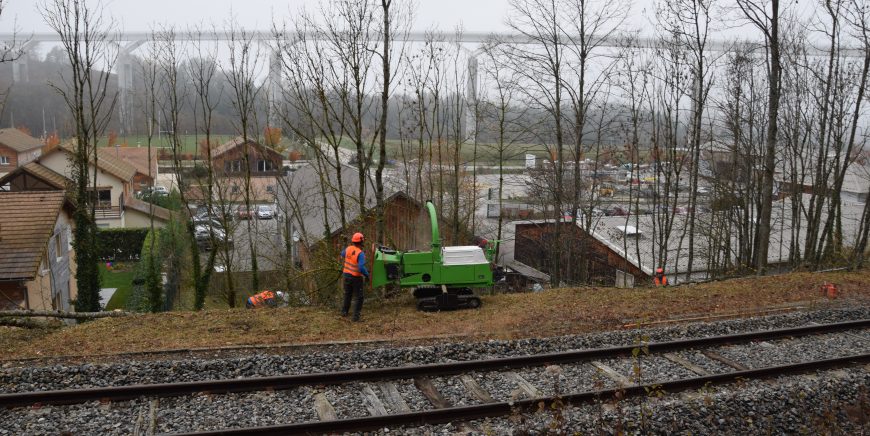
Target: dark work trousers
{"x":352,"y":286}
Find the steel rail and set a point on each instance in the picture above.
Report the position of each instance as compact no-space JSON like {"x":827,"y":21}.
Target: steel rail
{"x":490,"y":410}
{"x":121,"y":393}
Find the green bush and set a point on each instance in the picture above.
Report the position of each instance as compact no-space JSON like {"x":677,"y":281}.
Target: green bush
{"x":120,"y":244}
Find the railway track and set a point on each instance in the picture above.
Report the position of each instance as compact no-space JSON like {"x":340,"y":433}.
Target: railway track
{"x":390,"y":408}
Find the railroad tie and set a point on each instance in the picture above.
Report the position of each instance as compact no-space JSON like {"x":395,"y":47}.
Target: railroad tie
{"x":324,"y":410}
{"x":140,"y":421}
{"x":152,"y":417}
{"x":527,"y":388}
{"x":392,"y":395}
{"x":720,"y":358}
{"x":612,"y":374}
{"x":428,"y":389}
{"x":373,"y":403}
{"x":680,"y":360}
{"x":475,"y":390}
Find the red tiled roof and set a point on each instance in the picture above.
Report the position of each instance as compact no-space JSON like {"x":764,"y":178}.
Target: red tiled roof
{"x":108,"y":163}
{"x":39,"y":171}
{"x":135,"y":156}
{"x":18,"y":140}
{"x":26,"y":225}
{"x":238,"y":141}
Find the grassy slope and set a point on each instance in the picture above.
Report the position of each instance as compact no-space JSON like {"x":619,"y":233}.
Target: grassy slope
{"x":554,"y":312}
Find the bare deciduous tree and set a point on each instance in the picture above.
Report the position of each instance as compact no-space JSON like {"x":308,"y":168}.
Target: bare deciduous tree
{"x":85,"y":36}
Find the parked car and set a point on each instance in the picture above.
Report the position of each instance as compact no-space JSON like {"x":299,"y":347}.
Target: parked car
{"x":207,"y":221}
{"x":243,"y":213}
{"x":152,"y":191}
{"x":616,"y":211}
{"x":265,"y":213}
{"x":205,"y":235}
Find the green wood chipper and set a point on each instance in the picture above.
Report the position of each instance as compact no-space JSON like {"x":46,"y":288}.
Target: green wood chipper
{"x":444,"y":278}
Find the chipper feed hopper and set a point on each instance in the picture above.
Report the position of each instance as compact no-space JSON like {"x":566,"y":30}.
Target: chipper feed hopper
{"x":443,"y":278}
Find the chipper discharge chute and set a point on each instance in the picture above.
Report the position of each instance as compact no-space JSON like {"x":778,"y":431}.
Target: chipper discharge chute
{"x":443,"y":278}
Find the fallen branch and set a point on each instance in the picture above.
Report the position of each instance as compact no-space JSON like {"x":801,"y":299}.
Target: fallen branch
{"x":69,"y":315}
{"x":29,"y":323}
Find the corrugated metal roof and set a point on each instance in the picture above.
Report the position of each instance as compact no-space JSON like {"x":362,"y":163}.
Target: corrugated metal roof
{"x":305,"y":199}
{"x":26,"y":225}
{"x":642,"y":251}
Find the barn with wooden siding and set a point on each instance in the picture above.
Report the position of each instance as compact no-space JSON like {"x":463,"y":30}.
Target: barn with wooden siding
{"x":536,"y":246}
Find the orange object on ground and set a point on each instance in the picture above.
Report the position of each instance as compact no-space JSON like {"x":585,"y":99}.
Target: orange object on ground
{"x":829,"y":290}
{"x":263,"y":299}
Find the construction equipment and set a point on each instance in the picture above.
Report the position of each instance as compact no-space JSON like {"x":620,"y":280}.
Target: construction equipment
{"x":442,"y":278}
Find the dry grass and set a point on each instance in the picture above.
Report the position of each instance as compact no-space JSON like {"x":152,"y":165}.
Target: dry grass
{"x":554,"y":312}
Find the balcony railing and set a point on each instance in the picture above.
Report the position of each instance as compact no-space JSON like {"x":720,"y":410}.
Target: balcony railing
{"x":110,"y":212}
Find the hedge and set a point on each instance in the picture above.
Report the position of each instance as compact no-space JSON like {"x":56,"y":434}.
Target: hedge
{"x":120,"y":244}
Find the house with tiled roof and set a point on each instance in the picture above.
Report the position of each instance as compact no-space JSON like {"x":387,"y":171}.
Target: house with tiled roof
{"x":17,"y":149}
{"x":113,"y":191}
{"x":137,"y":157}
{"x":36,"y":253}
{"x":229,"y":159}
{"x":33,"y":177}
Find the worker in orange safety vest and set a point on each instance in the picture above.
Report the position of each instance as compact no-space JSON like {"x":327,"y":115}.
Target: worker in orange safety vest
{"x":354,"y":273}
{"x":660,"y":279}
{"x":263,"y":299}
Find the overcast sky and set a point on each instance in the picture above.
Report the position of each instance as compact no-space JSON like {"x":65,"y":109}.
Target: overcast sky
{"x":444,"y":15}
{"x":140,"y":15}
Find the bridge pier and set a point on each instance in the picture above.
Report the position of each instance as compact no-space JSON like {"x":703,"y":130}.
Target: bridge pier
{"x":471,"y":99}
{"x":125,"y":70}
{"x":273,"y":89}
{"x":21,"y":66}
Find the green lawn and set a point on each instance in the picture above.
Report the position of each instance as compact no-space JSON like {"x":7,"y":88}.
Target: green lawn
{"x":188,"y":142}
{"x":121,"y":277}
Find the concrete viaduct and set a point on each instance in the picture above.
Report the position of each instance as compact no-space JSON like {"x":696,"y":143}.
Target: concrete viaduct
{"x":129,"y":42}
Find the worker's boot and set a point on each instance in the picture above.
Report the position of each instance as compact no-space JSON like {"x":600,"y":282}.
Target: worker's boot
{"x":356,"y":318}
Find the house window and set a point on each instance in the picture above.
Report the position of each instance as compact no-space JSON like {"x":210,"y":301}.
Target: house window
{"x":103,"y":198}
{"x":270,"y":188}
{"x":4,"y":160}
{"x":233,"y":166}
{"x":235,"y":189}
{"x":265,"y":165}
{"x":58,"y":249}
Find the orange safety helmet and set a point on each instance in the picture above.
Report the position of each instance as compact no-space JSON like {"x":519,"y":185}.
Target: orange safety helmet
{"x":357,"y":237}
{"x":660,"y":270}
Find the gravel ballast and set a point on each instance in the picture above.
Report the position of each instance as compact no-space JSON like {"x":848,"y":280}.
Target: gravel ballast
{"x":212,"y":412}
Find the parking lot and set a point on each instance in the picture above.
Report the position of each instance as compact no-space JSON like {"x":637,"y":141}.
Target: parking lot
{"x":266,"y":235}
